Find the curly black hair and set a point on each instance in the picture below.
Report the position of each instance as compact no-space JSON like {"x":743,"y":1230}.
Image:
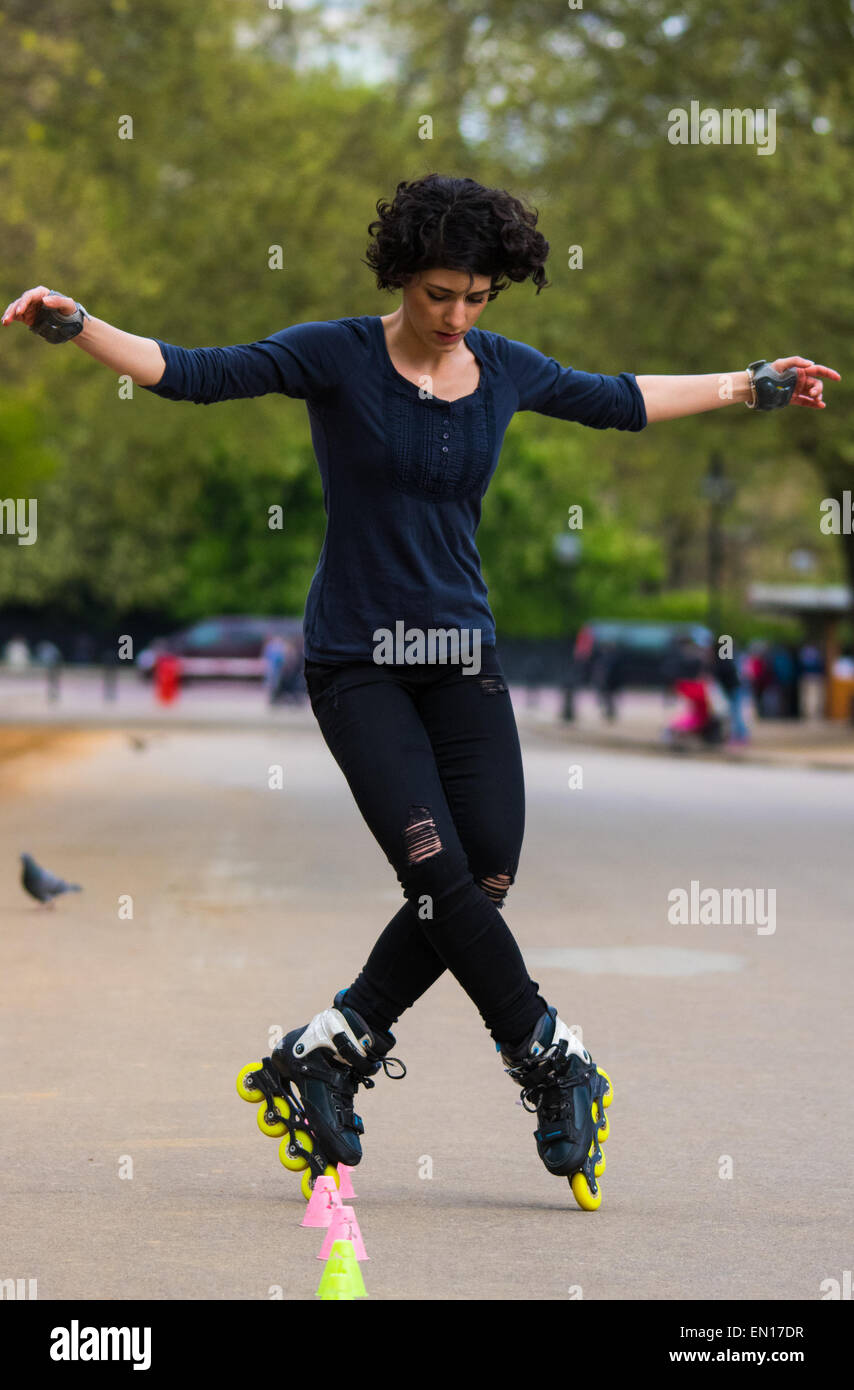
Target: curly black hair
{"x":457,"y":224}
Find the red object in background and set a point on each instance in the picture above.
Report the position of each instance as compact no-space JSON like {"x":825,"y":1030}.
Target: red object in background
{"x":584,"y":644}
{"x":167,"y":677}
{"x":699,"y":711}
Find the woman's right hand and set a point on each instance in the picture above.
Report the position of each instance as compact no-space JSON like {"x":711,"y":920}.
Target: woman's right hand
{"x":25,"y":308}
{"x":125,"y":353}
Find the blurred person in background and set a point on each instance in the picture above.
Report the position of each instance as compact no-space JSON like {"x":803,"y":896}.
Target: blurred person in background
{"x":727,"y":674}
{"x":812,"y":679}
{"x":607,"y":678}
{"x":273,"y":654}
{"x":49,"y":657}
{"x":783,"y":694}
{"x":758,"y":671}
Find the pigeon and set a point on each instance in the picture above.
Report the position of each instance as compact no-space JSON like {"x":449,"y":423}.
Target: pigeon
{"x":136,"y":742}
{"x":43,"y":885}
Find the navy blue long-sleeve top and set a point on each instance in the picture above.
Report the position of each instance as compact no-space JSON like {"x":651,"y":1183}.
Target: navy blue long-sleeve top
{"x":403,"y":472}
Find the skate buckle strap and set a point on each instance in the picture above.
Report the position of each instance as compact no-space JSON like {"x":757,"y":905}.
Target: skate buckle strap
{"x":346,"y":1113}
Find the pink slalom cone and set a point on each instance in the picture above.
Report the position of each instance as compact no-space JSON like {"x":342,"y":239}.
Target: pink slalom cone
{"x":346,"y":1188}
{"x":344,"y":1226}
{"x":322,"y":1203}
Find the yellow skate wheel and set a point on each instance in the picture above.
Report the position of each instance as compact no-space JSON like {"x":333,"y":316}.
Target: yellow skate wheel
{"x":248,"y":1092}
{"x":604,"y":1128}
{"x":296,"y":1162}
{"x":587,"y":1200}
{"x":599,"y":1166}
{"x":609,"y":1095}
{"x":307,"y":1181}
{"x":278,"y":1127}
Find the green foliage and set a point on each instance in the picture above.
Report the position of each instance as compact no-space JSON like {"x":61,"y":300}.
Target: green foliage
{"x":28,"y":459}
{"x":696,"y":259}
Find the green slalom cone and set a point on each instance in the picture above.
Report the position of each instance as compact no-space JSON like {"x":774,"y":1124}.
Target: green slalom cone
{"x":337,"y":1281}
{"x":345,"y":1251}
{"x":342,"y":1277}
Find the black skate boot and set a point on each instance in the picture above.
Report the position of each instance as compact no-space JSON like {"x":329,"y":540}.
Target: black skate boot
{"x":561,"y":1082}
{"x":327,"y":1061}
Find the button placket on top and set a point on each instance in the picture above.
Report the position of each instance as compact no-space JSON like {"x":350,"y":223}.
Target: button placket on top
{"x":423,"y":460}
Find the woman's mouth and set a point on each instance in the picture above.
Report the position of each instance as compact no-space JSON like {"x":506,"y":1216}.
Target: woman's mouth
{"x":448,"y":337}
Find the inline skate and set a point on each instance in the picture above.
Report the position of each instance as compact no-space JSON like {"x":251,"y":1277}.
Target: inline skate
{"x":326,"y":1061}
{"x":561,"y":1082}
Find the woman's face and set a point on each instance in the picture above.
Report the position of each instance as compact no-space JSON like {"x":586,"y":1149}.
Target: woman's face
{"x":444,"y":302}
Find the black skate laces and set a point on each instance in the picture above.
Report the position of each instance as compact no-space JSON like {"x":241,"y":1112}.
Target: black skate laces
{"x":548,"y":1073}
{"x":384,"y":1062}
{"x":358,"y":1078}
{"x":364,"y":1067}
{"x":393,"y":1076}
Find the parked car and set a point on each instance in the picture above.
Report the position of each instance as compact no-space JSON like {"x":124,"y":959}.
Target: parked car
{"x":649,"y":652}
{"x":229,"y":647}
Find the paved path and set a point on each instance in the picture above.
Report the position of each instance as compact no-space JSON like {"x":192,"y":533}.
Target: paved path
{"x":811,"y":742}
{"x":120,"y":1039}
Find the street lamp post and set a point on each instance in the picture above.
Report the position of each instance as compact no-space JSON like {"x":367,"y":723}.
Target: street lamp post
{"x":567,"y":552}
{"x":719,"y":492}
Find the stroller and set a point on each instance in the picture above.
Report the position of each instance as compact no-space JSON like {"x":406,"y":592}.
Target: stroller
{"x":703,"y":717}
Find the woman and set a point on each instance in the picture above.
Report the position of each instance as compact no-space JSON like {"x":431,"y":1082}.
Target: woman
{"x":407,"y":413}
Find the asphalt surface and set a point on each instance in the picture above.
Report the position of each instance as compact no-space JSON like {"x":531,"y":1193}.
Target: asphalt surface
{"x":729,"y":1048}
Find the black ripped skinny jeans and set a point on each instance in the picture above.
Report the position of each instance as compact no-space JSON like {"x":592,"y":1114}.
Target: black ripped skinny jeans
{"x":432,"y":758}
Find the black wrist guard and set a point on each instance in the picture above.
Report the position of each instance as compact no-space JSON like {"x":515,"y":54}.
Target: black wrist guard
{"x":58,"y":328}
{"x":771,"y":389}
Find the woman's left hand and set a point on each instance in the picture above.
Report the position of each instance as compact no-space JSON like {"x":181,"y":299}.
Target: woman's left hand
{"x":809,"y":384}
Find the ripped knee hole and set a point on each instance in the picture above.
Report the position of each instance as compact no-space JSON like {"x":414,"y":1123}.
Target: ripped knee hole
{"x":495,"y":886}
{"x":421,"y":836}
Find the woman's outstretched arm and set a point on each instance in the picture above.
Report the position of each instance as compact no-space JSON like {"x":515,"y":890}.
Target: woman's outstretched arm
{"x":304,"y":360}
{"x":125,"y":353}
{"x":671,"y":397}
